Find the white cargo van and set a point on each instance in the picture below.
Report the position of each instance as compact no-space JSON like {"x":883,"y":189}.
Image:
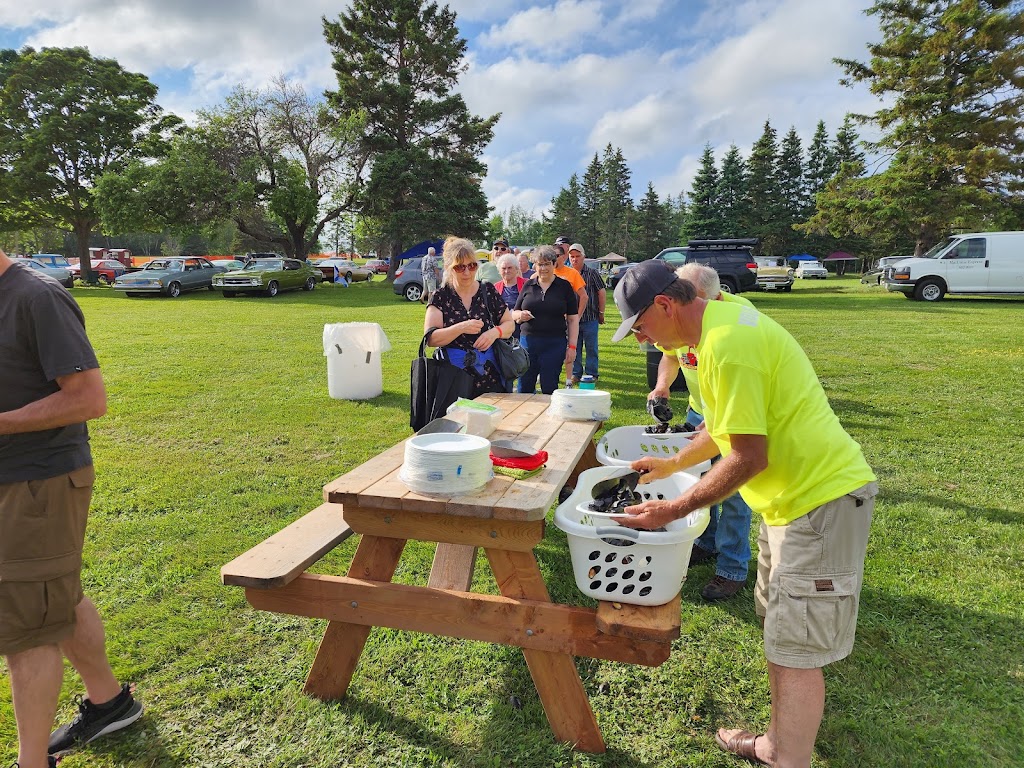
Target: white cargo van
{"x":978,"y":263}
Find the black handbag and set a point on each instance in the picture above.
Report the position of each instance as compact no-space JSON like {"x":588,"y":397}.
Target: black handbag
{"x":512,"y":357}
{"x":434,"y":385}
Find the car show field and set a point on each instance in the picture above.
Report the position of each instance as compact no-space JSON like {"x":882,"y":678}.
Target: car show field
{"x":216,"y":438}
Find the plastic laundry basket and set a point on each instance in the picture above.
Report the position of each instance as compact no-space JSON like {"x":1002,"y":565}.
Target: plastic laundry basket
{"x":612,"y":562}
{"x":353,"y":360}
{"x":621,"y":446}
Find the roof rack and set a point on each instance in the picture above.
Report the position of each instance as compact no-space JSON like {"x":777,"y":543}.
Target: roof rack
{"x":739,"y":242}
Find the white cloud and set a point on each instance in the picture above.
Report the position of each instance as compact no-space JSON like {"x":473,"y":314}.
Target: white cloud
{"x":546,"y":27}
{"x":501,"y":195}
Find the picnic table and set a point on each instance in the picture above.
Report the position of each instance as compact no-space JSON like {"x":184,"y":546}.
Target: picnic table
{"x":506,"y":519}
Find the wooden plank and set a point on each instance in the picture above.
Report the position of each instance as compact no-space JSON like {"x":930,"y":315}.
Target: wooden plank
{"x":452,"y":567}
{"x":587,"y":461}
{"x":342,"y":644}
{"x":554,"y":675}
{"x":531,"y":498}
{"x":658,"y":623}
{"x":366,"y":474}
{"x":539,"y":627}
{"x":280,"y":558}
{"x":426,"y":526}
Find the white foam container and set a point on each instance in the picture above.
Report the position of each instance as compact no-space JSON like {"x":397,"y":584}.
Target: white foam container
{"x":445,"y":464}
{"x":581,"y":404}
{"x":612,"y":562}
{"x":621,"y":446}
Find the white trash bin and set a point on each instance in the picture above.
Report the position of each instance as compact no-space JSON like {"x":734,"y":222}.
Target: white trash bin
{"x":353,"y":353}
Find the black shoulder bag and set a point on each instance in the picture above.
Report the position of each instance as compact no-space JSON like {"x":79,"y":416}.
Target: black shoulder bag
{"x":434,"y":385}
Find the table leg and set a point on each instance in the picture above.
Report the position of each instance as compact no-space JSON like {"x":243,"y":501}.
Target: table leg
{"x":558,"y":683}
{"x":452,"y":567}
{"x":587,"y":461}
{"x":376,"y":558}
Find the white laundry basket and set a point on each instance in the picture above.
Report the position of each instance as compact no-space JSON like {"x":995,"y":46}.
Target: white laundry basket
{"x":612,"y":562}
{"x":621,"y":446}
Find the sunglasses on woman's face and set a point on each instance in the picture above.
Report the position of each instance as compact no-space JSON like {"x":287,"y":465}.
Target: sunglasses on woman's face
{"x":471,"y":266}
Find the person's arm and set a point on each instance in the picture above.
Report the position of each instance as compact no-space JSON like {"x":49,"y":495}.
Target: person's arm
{"x":81,"y":397}
{"x":601,"y":299}
{"x":668,"y":369}
{"x":748,"y":458}
{"x":581,"y":300}
{"x":442,"y":337}
{"x":503,"y":330}
{"x":700,"y":447}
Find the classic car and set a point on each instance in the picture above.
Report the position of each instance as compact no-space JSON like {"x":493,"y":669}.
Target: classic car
{"x":51,"y":260}
{"x":333,"y":267}
{"x":773,"y":274}
{"x":106,"y":270}
{"x":61,"y":274}
{"x":379,"y":266}
{"x":268,"y":276}
{"x":809,"y":269}
{"x":228,"y":264}
{"x":171,"y":277}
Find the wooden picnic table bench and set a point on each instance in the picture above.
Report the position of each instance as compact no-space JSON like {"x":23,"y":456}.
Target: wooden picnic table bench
{"x":506,"y":519}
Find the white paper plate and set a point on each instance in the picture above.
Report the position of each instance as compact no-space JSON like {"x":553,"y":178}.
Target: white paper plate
{"x":448,"y":444}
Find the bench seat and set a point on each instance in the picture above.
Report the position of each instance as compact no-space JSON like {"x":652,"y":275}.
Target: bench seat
{"x":278,"y":560}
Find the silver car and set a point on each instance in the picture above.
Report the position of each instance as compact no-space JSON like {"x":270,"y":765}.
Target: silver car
{"x":170,"y":277}
{"x":60,"y":274}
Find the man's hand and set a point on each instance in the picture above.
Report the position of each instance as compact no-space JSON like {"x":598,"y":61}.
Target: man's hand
{"x":649,"y":515}
{"x":659,"y":391}
{"x":652,"y":468}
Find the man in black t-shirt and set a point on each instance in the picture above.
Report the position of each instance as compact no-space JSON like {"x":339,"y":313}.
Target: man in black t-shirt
{"x":50,"y":385}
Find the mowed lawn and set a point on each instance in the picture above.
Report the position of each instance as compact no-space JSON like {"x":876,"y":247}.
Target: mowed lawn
{"x":220,"y":432}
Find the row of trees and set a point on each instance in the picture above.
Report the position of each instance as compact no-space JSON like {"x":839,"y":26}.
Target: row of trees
{"x":393,"y":155}
{"x":84,"y":146}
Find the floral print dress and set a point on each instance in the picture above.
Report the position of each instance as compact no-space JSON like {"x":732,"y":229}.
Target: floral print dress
{"x":488,"y":306}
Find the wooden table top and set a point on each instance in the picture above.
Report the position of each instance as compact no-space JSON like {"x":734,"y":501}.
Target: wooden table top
{"x":375,"y":483}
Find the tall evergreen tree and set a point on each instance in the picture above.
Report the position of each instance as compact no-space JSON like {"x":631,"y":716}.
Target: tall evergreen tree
{"x":821,"y":165}
{"x":764,"y":199}
{"x":703,"y":216}
{"x":651,"y":232}
{"x":676,"y":210}
{"x":566,"y":213}
{"x":616,"y":206}
{"x":591,"y":195}
{"x":732,"y":191}
{"x":398,"y":63}
{"x":846,"y":148}
{"x":791,"y":190}
{"x":950,"y":72}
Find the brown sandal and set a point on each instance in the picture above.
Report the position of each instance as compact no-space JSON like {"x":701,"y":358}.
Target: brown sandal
{"x":742,"y":745}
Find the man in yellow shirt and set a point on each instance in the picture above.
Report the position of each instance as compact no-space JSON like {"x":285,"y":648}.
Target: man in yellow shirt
{"x":727,"y":537}
{"x":784,"y":449}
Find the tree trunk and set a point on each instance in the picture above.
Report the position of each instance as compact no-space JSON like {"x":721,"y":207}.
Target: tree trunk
{"x":83,"y":229}
{"x":394,"y":251}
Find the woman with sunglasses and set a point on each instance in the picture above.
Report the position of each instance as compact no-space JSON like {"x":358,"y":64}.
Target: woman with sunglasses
{"x":469,"y":317}
{"x":550,"y":314}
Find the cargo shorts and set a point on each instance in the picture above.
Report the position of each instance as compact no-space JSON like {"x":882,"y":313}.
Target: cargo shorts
{"x":42,"y":531}
{"x":809,"y":575}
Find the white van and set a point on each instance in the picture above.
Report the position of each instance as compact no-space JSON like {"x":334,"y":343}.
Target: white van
{"x":977,"y":263}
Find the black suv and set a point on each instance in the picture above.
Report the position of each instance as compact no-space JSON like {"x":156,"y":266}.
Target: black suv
{"x":731,"y":259}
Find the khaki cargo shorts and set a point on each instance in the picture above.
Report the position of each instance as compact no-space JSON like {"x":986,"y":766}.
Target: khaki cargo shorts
{"x":809,"y":575}
{"x":42,"y":530}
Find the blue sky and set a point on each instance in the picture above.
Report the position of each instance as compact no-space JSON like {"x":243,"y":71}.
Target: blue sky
{"x":658,"y":78}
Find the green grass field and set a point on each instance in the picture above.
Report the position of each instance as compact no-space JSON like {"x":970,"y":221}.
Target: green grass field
{"x":220,"y":432}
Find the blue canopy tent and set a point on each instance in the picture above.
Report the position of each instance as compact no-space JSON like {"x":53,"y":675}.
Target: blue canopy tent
{"x":793,"y":261}
{"x":420,"y":249}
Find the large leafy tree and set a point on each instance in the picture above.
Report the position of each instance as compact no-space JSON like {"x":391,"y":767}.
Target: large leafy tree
{"x":275,"y":162}
{"x":66,"y":119}
{"x":952,"y":74}
{"x":397,"y":63}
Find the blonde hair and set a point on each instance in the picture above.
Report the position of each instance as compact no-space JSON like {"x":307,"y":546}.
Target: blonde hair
{"x":704,"y":279}
{"x":457,"y":250}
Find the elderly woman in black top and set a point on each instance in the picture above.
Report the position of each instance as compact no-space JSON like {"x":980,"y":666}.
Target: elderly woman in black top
{"x":548,"y":309}
{"x":469,"y":317}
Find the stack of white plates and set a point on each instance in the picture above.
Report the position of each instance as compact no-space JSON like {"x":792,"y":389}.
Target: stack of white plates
{"x":446,"y":464}
{"x":581,"y":404}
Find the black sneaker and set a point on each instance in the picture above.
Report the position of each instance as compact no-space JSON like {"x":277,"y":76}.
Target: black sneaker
{"x":721,"y":588}
{"x":95,"y":721}
{"x":51,"y":762}
{"x":700,"y":555}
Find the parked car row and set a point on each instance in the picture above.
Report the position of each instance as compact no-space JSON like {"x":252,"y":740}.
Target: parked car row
{"x":333,"y":268}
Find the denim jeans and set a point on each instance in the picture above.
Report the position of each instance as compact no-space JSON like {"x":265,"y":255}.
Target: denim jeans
{"x":728,"y":533}
{"x":588,"y":340}
{"x":547,"y":358}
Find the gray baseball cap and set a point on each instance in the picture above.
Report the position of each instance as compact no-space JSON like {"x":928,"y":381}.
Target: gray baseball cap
{"x":636,"y":290}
